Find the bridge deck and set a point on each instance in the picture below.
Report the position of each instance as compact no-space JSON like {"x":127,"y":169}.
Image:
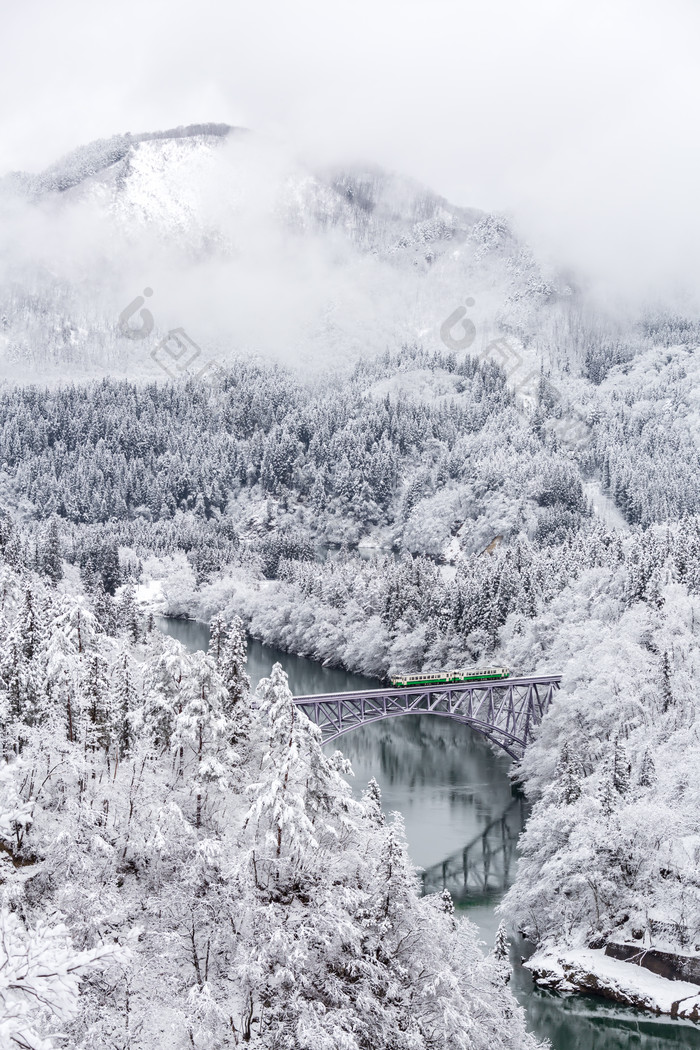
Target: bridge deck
{"x":540,"y":679}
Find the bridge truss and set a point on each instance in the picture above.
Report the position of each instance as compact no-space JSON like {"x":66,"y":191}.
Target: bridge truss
{"x":506,"y":711}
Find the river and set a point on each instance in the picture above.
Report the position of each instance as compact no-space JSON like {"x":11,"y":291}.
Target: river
{"x":449,"y":787}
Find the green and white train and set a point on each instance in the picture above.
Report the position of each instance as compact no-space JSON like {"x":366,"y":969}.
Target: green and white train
{"x":465,"y":674}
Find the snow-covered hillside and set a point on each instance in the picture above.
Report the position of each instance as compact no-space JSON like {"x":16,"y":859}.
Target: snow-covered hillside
{"x":524,"y":464}
{"x":190,"y":854}
{"x":245,"y":247}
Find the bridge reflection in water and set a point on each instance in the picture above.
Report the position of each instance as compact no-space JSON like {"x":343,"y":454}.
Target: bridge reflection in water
{"x":486,"y":865}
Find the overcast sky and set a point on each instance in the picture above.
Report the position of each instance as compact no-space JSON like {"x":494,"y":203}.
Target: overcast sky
{"x":582,"y":119}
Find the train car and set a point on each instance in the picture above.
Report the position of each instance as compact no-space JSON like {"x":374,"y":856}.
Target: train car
{"x":464,"y":674}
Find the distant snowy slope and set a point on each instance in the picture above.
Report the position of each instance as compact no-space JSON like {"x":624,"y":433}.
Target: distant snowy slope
{"x":246,"y":248}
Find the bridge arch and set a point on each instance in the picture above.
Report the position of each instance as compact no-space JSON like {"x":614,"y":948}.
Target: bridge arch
{"x":508,"y":742}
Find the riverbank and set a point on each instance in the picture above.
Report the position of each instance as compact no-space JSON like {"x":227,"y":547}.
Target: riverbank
{"x":591,"y":971}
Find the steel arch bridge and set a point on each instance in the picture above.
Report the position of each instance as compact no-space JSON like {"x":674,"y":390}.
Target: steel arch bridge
{"x":506,"y":711}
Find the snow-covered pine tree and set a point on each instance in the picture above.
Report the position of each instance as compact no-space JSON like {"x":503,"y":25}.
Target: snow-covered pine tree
{"x":164,"y":676}
{"x":123,"y":706}
{"x":647,"y":770}
{"x":621,"y":769}
{"x":217,"y":637}
{"x":202,"y":731}
{"x":231,"y":666}
{"x":103,"y":605}
{"x":284,"y":830}
{"x":372,"y":803}
{"x":666,"y":686}
{"x":569,"y":777}
{"x":52,"y":564}
{"x":30,"y":625}
{"x":129,"y":618}
{"x":501,"y":953}
{"x":96,"y":729}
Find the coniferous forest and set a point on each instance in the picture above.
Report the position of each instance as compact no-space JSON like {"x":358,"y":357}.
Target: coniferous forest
{"x":182,"y":829}
{"x":370,"y":480}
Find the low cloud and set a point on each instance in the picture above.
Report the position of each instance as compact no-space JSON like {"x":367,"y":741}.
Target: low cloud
{"x":577,"y":119}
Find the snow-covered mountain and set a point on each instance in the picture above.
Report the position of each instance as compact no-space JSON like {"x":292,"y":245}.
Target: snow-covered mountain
{"x":243,"y":247}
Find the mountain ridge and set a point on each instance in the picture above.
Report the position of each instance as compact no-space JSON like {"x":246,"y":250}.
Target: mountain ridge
{"x":250,"y":248}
